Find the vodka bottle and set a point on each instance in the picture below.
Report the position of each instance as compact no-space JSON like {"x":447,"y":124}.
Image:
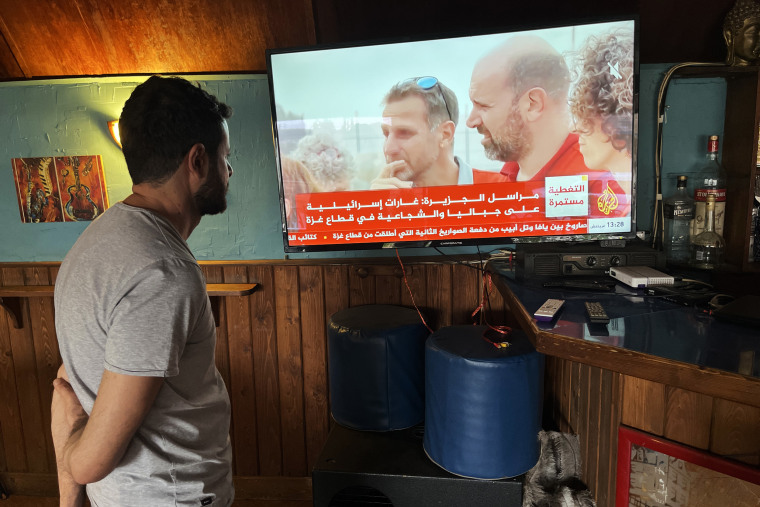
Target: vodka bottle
{"x":710,"y":180}
{"x":707,"y":248}
{"x":679,"y":212}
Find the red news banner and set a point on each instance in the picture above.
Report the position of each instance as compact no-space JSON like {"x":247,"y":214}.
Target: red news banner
{"x":430,"y":213}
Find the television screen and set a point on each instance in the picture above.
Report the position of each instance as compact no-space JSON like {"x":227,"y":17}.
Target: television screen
{"x":521,"y":136}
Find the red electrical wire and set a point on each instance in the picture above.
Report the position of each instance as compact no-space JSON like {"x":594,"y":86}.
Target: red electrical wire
{"x":406,"y":282}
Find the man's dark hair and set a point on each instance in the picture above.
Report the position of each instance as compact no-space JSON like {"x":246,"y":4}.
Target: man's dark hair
{"x":162,"y":119}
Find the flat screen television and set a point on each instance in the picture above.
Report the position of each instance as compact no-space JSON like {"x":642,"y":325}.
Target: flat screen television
{"x":520,"y":136}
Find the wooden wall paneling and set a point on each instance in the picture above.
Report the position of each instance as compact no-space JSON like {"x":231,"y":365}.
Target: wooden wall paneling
{"x":3,"y":461}
{"x":557,"y":414}
{"x":585,"y":401}
{"x":609,"y":420}
{"x":314,"y":344}
{"x":591,"y":385}
{"x":266,"y":370}
{"x":566,"y":395}
{"x":688,"y":417}
{"x":388,"y":289}
{"x":214,"y":274}
{"x":574,"y":416}
{"x":14,"y":455}
{"x":439,"y":295}
{"x":241,"y":387}
{"x":644,"y":405}
{"x":736,"y":431}
{"x":27,"y":383}
{"x":414,"y":290}
{"x":290,"y":363}
{"x":336,"y":298}
{"x":48,"y":359}
{"x":361,"y":289}
{"x":551,"y":414}
{"x":336,"y":289}
{"x":465,"y":285}
{"x":498,"y":310}
{"x":585,"y":414}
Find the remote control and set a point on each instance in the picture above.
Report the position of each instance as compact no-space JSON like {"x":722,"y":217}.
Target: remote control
{"x":596,"y":313}
{"x":548,"y":310}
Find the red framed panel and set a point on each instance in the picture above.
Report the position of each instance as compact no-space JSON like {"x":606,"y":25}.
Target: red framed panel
{"x":628,"y":438}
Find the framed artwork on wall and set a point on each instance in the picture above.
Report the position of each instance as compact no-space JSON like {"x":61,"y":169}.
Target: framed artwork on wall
{"x":655,"y":472}
{"x":60,"y":189}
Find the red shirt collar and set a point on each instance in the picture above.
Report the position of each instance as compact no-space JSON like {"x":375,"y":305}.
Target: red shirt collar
{"x":510,"y":169}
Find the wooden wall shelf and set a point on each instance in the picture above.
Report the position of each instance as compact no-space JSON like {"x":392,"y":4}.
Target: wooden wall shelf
{"x":11,"y":296}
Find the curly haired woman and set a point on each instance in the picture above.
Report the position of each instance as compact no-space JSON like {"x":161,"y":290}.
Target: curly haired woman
{"x":601,"y":103}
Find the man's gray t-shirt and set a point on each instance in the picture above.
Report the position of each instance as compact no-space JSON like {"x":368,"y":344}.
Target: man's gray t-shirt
{"x":131,"y":298}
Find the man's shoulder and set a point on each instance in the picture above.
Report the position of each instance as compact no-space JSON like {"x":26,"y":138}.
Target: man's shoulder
{"x":568,"y":160}
{"x":124,"y":241}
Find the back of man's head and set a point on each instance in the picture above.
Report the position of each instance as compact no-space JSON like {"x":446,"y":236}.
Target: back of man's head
{"x":162,"y":119}
{"x":531,"y":62}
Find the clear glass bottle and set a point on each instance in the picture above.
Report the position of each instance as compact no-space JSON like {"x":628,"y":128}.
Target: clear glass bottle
{"x":679,"y":212}
{"x":707,"y":248}
{"x":711,"y":180}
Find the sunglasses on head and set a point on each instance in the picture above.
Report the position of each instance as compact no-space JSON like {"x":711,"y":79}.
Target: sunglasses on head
{"x":428,"y":82}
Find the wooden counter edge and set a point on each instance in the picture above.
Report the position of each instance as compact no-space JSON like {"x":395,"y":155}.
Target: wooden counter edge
{"x":700,"y":379}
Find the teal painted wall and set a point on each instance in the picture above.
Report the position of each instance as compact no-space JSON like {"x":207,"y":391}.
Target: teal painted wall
{"x":68,"y":117}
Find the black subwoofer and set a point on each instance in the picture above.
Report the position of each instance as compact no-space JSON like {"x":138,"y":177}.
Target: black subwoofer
{"x":362,"y":468}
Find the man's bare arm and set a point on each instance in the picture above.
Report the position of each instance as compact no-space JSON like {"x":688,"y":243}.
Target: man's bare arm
{"x":66,"y":414}
{"x":96,"y":448}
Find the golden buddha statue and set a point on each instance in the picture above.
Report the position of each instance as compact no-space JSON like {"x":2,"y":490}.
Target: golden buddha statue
{"x":741,"y":31}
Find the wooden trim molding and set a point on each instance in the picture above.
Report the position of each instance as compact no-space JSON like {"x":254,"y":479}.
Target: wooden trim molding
{"x":11,"y":296}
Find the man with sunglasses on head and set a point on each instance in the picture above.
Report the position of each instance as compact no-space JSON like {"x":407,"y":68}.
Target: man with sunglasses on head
{"x":419,"y":120}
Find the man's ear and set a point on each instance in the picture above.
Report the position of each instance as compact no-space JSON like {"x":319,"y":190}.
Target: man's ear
{"x":197,"y":161}
{"x":532,"y":103}
{"x":447,"y":130}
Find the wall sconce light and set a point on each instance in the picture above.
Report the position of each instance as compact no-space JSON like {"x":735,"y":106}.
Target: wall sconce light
{"x":113,"y":128}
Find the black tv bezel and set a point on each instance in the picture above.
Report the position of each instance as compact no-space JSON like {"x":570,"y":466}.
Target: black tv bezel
{"x":498,"y":240}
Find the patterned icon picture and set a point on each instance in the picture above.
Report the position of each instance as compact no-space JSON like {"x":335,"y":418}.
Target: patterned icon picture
{"x":60,"y":189}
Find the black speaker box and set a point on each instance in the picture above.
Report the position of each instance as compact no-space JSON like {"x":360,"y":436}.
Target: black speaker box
{"x":558,"y":259}
{"x":362,"y":468}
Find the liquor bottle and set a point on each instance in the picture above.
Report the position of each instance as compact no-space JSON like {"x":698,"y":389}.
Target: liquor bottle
{"x":707,"y":248}
{"x":711,"y":179}
{"x":679,"y":212}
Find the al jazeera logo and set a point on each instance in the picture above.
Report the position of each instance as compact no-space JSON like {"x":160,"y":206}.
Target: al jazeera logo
{"x":608,"y":201}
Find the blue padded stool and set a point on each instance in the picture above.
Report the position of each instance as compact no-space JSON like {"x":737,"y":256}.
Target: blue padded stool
{"x":376,"y":361}
{"x":482,"y":403}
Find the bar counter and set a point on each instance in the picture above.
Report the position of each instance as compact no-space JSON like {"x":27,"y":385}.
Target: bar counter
{"x":647,"y":337}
